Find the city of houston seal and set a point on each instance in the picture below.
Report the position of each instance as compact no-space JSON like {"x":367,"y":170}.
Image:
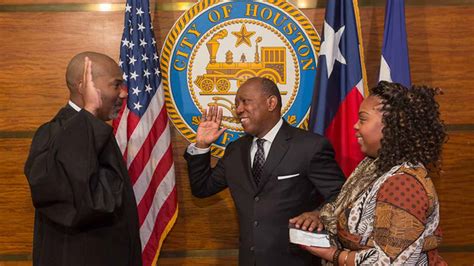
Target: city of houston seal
{"x":215,"y":46}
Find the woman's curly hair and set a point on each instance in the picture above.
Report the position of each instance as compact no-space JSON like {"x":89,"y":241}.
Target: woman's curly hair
{"x":413,"y":130}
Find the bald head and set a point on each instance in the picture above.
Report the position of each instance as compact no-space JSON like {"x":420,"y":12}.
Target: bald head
{"x":267,"y":87}
{"x":106,"y":79}
{"x":75,"y":68}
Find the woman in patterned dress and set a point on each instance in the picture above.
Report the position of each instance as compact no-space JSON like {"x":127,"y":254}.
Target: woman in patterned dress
{"x":388,"y":212}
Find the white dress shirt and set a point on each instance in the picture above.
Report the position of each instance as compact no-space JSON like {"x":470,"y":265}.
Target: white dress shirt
{"x":269,"y":137}
{"x":74,"y":106}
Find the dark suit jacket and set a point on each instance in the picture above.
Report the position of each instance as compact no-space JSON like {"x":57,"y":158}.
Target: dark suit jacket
{"x":85,"y":207}
{"x":264,"y":210}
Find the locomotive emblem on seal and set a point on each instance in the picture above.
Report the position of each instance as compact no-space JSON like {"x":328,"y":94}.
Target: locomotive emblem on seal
{"x":216,"y":46}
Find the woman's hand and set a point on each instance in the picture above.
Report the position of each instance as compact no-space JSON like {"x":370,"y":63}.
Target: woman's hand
{"x":324,"y":253}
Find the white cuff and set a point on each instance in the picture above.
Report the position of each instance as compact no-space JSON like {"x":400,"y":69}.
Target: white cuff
{"x":193,"y":150}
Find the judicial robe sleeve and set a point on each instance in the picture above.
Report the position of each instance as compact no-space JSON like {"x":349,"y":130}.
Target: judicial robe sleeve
{"x":69,"y":183}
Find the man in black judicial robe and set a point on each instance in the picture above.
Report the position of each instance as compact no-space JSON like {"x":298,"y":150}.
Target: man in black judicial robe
{"x":85,"y":207}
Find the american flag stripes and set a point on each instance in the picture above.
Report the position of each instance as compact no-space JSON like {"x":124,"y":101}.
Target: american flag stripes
{"x":142,"y":131}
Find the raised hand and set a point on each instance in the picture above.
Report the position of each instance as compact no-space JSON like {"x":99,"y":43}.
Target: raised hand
{"x":90,"y":94}
{"x":209,"y":129}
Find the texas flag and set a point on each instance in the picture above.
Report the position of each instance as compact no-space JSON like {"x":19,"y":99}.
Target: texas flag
{"x":394,"y":64}
{"x":339,"y":87}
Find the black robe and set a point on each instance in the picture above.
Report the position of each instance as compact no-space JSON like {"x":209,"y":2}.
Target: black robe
{"x":85,"y":207}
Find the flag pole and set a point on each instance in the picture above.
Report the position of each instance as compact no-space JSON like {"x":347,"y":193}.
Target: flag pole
{"x":355,"y":4}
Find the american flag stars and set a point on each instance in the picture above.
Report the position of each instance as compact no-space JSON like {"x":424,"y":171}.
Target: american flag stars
{"x":128,"y":8}
{"x":138,"y":46}
{"x":137,"y":106}
{"x":136,"y":91}
{"x":133,"y":75}
{"x":148,"y":88}
{"x":146,"y":73}
{"x":125,"y":42}
{"x":132,"y":60}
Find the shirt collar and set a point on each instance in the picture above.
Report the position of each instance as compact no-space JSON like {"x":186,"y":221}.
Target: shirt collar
{"x":74,"y":106}
{"x":270,"y":136}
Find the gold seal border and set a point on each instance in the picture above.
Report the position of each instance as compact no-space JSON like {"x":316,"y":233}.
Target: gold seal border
{"x":173,"y":35}
{"x":247,"y":21}
{"x":171,"y":108}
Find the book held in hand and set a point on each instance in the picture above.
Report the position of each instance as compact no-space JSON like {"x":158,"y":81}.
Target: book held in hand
{"x":314,"y":239}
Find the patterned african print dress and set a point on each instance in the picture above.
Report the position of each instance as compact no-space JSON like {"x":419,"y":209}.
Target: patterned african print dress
{"x":394,"y":221}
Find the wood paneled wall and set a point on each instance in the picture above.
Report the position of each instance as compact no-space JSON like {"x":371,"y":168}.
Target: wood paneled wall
{"x":36,"y":47}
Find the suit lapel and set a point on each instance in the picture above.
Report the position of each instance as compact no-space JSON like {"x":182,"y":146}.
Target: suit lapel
{"x":275,"y":155}
{"x":247,"y":143}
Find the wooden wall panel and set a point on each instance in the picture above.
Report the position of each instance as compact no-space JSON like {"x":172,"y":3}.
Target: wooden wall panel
{"x":45,"y":4}
{"x":38,"y":47}
{"x":442,"y":55}
{"x":36,"y":50}
{"x":39,"y":2}
{"x":440,"y":50}
{"x":16,"y":223}
{"x":455,"y":188}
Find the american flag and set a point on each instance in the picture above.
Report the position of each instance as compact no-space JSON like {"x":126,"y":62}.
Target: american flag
{"x":143,"y":133}
{"x":339,"y":87}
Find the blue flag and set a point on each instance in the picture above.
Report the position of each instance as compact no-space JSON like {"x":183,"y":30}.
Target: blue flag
{"x":394,"y":64}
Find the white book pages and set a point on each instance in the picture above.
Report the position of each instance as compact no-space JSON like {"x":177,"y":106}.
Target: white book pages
{"x":306,"y":238}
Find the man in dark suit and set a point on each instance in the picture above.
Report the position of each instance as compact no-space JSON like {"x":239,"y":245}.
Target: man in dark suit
{"x":85,"y":207}
{"x":276,"y":174}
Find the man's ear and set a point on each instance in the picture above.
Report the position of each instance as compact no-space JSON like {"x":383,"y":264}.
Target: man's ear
{"x":80,"y":86}
{"x":272,"y":103}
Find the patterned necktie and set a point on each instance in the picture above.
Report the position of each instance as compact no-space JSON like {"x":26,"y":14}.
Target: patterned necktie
{"x":258,"y":161}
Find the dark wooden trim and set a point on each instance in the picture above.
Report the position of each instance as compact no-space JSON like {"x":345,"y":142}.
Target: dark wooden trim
{"x":221,"y":253}
{"x":181,"y":6}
